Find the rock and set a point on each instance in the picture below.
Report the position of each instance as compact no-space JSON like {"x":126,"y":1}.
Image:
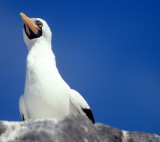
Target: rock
{"x":74,"y":128}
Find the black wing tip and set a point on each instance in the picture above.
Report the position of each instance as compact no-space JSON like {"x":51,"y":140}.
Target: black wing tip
{"x":89,"y":114}
{"x":23,"y":118}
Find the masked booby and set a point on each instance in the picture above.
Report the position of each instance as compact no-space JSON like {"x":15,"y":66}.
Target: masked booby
{"x":46,"y":94}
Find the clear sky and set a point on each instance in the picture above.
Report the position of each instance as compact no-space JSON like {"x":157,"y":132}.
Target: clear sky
{"x":107,"y":50}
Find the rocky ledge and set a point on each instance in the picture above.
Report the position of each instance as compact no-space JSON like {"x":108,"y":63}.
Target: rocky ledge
{"x":74,"y":128}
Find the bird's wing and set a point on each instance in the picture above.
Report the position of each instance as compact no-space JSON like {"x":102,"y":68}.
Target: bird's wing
{"x":23,"y":109}
{"x":81,"y":105}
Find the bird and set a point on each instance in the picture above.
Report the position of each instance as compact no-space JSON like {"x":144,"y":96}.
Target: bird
{"x":46,"y":94}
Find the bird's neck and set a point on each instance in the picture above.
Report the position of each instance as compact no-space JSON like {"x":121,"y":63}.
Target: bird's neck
{"x":41,"y":53}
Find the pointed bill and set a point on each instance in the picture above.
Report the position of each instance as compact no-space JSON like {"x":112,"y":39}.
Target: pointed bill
{"x":30,"y":23}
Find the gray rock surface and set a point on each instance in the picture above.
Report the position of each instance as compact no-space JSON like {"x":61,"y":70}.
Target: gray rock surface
{"x":74,"y":128}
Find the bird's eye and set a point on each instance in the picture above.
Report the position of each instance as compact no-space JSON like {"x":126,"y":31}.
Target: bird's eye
{"x":40,"y":25}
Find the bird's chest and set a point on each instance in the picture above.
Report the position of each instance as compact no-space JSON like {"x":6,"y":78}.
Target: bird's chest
{"x":45,"y":93}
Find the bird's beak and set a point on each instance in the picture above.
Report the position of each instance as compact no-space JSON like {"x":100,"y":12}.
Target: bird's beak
{"x":30,"y":24}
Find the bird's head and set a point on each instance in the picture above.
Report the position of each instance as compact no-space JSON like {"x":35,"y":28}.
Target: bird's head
{"x":35,"y":30}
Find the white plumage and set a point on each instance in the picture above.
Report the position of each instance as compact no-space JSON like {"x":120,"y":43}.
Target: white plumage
{"x":46,"y":94}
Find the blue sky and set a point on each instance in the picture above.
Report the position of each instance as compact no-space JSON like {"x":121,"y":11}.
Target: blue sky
{"x":106,"y":50}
